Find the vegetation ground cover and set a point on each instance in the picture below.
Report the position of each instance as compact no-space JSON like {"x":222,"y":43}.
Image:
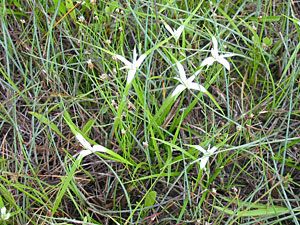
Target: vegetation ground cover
{"x":149,"y":112}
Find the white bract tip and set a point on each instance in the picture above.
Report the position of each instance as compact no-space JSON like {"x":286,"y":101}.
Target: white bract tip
{"x":175,"y":33}
{"x":3,"y":214}
{"x":216,"y":57}
{"x":186,"y":83}
{"x":88,"y":149}
{"x":206,"y":154}
{"x":83,"y":141}
{"x":131,"y":66}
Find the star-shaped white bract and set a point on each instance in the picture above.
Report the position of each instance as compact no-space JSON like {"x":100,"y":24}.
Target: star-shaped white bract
{"x":186,"y":83}
{"x":88,"y":149}
{"x":206,"y":154}
{"x":3,"y":214}
{"x":216,"y":57}
{"x":175,"y":33}
{"x":131,"y":66}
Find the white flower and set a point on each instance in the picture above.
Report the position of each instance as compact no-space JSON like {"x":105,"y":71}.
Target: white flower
{"x":186,"y":83}
{"x":90,"y":64}
{"x":214,"y":191}
{"x":108,"y":42}
{"x":145,"y":144}
{"x":88,"y":149}
{"x":131,"y":66}
{"x":81,"y":19}
{"x":3,"y":214}
{"x":103,"y":76}
{"x":175,"y":33}
{"x":206,"y":154}
{"x":216,"y":57}
{"x":80,"y":2}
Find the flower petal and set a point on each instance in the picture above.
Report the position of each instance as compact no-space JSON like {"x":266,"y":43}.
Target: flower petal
{"x":177,"y":78}
{"x":190,"y":79}
{"x":168,"y":28}
{"x":134,"y":55}
{"x":140,"y":60}
{"x":203,"y":162}
{"x":197,"y":87}
{"x":3,"y":214}
{"x":130,"y":75}
{"x":6,"y":216}
{"x":181,"y":72}
{"x":83,"y":141}
{"x":95,"y":148}
{"x":125,"y":61}
{"x":214,"y":50}
{"x":208,"y":61}
{"x":212,"y":150}
{"x":180,"y":88}
{"x":197,"y":73}
{"x":198,"y":147}
{"x":229,"y":55}
{"x":178,"y":32}
{"x":126,"y":67}
{"x":224,"y":62}
{"x":84,"y":153}
{"x":3,"y":211}
{"x":99,"y":148}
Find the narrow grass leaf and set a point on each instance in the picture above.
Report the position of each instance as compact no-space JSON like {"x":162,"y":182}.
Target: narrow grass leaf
{"x":88,"y":126}
{"x":45,"y":120}
{"x":64,"y":185}
{"x":261,"y":212}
